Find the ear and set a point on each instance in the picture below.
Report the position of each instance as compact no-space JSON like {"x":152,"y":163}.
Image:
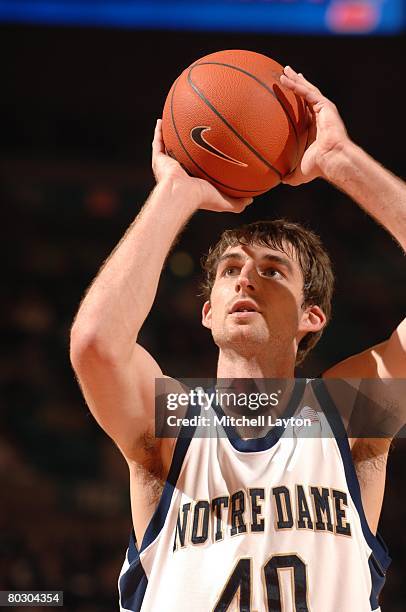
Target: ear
{"x":206,"y":315}
{"x":313,"y":320}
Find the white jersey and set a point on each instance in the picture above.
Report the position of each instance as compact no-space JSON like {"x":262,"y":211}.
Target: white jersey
{"x":273,"y":524}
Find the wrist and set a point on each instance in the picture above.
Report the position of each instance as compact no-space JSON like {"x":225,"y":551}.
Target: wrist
{"x":339,"y":162}
{"x":181,"y":192}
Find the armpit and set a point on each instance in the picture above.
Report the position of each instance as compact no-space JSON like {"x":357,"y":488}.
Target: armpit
{"x":150,"y":470}
{"x":371,"y":451}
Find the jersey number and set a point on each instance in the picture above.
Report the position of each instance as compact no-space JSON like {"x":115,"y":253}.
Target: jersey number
{"x":240,"y":580}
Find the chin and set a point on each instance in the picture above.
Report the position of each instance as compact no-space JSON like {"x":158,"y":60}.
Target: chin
{"x":241,"y":337}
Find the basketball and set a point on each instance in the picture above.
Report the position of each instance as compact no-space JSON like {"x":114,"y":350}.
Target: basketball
{"x":227,"y":119}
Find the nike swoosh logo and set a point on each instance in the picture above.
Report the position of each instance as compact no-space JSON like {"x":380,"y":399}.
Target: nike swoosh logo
{"x":196,"y":134}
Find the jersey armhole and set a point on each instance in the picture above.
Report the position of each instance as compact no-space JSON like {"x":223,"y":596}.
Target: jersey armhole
{"x":181,"y":447}
{"x":375,"y":542}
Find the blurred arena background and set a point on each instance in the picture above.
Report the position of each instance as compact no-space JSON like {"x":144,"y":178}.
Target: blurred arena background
{"x":78,"y":108}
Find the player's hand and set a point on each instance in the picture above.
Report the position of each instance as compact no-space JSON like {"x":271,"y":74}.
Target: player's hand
{"x":327,"y":133}
{"x":208,"y":197}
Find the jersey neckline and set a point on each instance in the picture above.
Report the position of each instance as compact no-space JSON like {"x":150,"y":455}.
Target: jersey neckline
{"x":271,"y":438}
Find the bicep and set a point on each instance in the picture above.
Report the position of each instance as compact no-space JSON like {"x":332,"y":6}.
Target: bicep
{"x":392,"y":354}
{"x":384,"y":360}
{"x":381,"y":371}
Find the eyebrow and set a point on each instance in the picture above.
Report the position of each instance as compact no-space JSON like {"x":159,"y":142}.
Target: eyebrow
{"x":284,"y":261}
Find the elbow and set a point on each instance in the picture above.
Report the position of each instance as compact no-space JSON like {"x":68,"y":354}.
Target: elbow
{"x":87,"y":347}
{"x":81,"y":345}
{"x":91,"y":348}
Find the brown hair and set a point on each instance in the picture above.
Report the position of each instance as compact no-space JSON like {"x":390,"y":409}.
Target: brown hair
{"x":293,"y":240}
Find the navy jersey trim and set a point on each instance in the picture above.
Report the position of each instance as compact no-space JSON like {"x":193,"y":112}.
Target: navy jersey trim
{"x":182,"y":444}
{"x":378,"y":578}
{"x":380,"y":558}
{"x":271,"y":438}
{"x":133,"y":582}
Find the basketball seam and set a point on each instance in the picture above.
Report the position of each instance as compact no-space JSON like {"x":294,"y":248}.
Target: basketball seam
{"x":268,"y":89}
{"x":259,"y":191}
{"x":224,"y":120}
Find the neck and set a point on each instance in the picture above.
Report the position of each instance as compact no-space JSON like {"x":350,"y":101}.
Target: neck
{"x":232,"y":364}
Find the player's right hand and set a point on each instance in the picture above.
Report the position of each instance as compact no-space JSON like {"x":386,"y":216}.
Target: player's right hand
{"x":207,"y":196}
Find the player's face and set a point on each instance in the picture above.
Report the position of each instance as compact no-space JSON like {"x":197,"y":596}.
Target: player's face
{"x":257,"y":299}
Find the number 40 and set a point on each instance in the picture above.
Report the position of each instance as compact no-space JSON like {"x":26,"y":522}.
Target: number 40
{"x":240,"y":580}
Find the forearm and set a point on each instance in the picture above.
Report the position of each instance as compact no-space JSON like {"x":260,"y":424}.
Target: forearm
{"x":379,"y":192}
{"x":123,"y":292}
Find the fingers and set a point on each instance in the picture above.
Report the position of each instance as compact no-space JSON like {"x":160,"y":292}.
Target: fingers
{"x":301,"y":86}
{"x":158,"y":142}
{"x":238,"y":205}
{"x":244,"y":202}
{"x":224,"y":203}
{"x":298,"y":77}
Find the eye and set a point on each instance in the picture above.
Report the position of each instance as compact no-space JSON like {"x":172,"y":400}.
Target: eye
{"x":231,"y":271}
{"x":272,"y":273}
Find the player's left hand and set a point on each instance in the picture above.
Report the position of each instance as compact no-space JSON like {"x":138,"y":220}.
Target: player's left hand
{"x":327,"y":133}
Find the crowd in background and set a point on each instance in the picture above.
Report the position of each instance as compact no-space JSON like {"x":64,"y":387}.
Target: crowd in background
{"x":64,"y":514}
{"x":74,"y":104}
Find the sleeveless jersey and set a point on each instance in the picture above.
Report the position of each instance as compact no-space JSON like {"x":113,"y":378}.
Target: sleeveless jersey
{"x":260,"y":525}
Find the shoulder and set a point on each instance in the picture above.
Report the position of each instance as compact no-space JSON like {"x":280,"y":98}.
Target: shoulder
{"x":367,"y":364}
{"x":365,"y":374}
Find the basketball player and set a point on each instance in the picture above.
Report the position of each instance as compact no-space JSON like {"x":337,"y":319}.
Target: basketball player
{"x":224,"y":522}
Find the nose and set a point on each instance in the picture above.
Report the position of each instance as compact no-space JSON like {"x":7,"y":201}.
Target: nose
{"x":246,"y":278}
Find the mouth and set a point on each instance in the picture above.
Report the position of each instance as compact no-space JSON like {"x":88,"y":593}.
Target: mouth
{"x":243,"y":306}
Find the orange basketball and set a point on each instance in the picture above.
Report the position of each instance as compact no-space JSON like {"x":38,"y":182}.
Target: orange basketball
{"x":228,"y":119}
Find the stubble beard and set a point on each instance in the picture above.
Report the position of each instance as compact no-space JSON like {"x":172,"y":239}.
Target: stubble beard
{"x":248,"y":340}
